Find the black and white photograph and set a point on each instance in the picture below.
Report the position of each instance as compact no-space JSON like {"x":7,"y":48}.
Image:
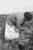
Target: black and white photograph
{"x":16,"y":24}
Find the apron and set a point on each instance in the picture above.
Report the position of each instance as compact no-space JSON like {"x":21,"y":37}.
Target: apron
{"x":10,"y":32}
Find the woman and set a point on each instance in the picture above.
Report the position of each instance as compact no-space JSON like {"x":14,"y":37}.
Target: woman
{"x":13,"y":23}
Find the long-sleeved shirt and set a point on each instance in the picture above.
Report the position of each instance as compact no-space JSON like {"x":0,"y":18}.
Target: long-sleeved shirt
{"x":10,"y":29}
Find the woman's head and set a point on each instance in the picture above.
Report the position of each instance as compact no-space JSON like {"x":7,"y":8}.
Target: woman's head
{"x":28,"y":16}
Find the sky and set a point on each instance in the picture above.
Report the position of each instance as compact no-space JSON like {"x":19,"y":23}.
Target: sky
{"x":12,"y":6}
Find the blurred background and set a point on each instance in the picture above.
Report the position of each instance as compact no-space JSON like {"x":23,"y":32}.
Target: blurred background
{"x":11,"y":6}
